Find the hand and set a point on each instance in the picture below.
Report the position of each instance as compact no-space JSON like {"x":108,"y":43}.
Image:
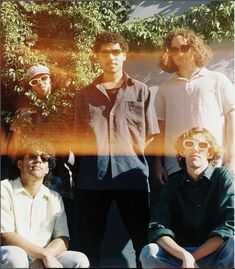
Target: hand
{"x":51,"y":262}
{"x":189,"y":261}
{"x":159,"y":175}
{"x":37,"y":264}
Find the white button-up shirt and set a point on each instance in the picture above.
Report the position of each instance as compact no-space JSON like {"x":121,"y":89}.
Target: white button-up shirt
{"x":39,"y":219}
{"x":201,"y":101}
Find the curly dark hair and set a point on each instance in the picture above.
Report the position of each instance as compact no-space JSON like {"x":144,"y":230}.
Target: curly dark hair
{"x":202,"y":52}
{"x":109,"y":37}
{"x":214,"y":147}
{"x":33,"y":145}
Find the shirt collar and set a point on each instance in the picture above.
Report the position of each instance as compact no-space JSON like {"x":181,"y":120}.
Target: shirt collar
{"x":206,"y":175}
{"x":127,"y":82}
{"x":19,"y":188}
{"x":201,"y":73}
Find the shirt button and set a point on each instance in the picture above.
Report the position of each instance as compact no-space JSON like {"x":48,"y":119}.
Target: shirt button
{"x":198,"y":205}
{"x":197,"y":189}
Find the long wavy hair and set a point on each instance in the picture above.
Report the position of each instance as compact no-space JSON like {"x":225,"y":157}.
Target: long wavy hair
{"x":215,"y":150}
{"x":202,"y":53}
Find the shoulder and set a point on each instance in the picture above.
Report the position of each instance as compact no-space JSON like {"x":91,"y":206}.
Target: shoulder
{"x":6,"y":184}
{"x":221,"y":77}
{"x":7,"y":189}
{"x":54,"y":195}
{"x":165,"y":85}
{"x":223,"y":175}
{"x":137,"y":83}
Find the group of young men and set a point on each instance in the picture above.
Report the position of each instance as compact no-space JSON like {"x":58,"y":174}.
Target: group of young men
{"x":116,"y":117}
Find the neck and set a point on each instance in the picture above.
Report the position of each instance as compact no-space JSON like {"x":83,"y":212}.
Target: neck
{"x":189,"y":71}
{"x":196,"y":173}
{"x":32,"y":185}
{"x":111,"y":81}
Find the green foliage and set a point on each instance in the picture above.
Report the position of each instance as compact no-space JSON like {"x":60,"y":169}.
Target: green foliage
{"x":60,"y":34}
{"x":219,"y":25}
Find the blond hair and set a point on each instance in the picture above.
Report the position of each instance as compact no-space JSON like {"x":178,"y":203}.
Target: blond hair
{"x":215,"y":150}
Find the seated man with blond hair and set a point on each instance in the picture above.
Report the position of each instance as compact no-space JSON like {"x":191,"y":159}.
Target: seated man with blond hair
{"x":34,"y":228}
{"x":193,"y":224}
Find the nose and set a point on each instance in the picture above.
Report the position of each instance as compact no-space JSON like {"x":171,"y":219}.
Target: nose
{"x":38,"y":159}
{"x":196,"y":148}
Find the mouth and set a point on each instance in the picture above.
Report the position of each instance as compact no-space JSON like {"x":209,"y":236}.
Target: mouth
{"x":36,"y":168}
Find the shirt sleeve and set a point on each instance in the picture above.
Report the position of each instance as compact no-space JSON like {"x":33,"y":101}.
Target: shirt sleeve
{"x":226,"y":93}
{"x":7,"y":216}
{"x":152,"y":127}
{"x":160,"y":104}
{"x":161,"y":219}
{"x":60,"y":226}
{"x":225,"y":216}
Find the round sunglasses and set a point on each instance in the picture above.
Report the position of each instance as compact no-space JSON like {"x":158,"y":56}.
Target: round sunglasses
{"x":190,"y":144}
{"x":34,"y":82}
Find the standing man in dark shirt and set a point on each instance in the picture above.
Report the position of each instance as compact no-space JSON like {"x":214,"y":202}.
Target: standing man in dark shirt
{"x":193,"y":224}
{"x":115,"y":120}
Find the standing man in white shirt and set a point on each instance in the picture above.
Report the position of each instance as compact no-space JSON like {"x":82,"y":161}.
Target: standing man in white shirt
{"x":34,"y":228}
{"x":193,"y":96}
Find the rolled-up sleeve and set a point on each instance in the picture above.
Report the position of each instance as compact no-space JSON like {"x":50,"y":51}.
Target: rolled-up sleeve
{"x":161,"y":219}
{"x":225,"y":227}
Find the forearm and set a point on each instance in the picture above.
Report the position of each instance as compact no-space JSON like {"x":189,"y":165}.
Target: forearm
{"x":177,"y":251}
{"x":171,"y":246}
{"x":32,"y":250}
{"x":57,"y":246}
{"x":208,"y":247}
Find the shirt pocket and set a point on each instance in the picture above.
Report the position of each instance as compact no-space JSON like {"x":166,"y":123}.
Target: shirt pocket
{"x":135,"y":112}
{"x":206,"y":97}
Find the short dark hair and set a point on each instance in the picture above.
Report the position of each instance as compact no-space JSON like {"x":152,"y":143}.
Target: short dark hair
{"x":109,"y":37}
{"x":33,"y":145}
{"x":189,"y":134}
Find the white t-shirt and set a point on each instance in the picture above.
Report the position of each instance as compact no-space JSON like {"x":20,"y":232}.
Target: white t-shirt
{"x":39,"y":219}
{"x":201,"y":101}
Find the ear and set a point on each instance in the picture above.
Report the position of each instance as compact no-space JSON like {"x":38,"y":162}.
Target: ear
{"x":19,"y":164}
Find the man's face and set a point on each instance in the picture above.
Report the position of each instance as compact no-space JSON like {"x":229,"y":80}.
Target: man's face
{"x":41,"y":84}
{"x":196,"y":151}
{"x":34,"y":166}
{"x":111,"y":58}
{"x":181,"y":53}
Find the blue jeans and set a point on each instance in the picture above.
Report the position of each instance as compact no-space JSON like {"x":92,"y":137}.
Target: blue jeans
{"x":154,"y":256}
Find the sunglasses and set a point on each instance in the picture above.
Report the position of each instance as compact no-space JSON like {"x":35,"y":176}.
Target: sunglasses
{"x":44,"y":157}
{"x":34,"y":82}
{"x":115,"y":52}
{"x":183,"y":48}
{"x":190,"y":144}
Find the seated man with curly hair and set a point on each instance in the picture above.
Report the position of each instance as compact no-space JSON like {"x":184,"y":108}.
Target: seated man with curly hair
{"x":34,"y":228}
{"x":193,"y":224}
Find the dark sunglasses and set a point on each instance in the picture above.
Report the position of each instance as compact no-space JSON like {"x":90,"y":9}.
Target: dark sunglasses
{"x":115,"y":52}
{"x":44,"y":157}
{"x":189,"y":144}
{"x":183,"y":48}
